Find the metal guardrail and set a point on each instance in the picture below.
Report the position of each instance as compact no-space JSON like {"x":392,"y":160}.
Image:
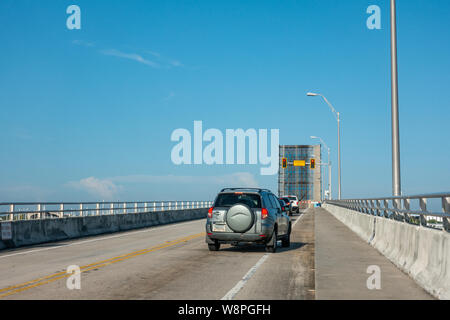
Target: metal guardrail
{"x":409,"y":209}
{"x":52,"y":210}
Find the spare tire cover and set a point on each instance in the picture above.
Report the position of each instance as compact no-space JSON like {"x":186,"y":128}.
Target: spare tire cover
{"x":240,"y":218}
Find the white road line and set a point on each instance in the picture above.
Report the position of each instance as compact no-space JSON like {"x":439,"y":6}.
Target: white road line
{"x":234,"y":291}
{"x":298,"y":220}
{"x":99,"y":239}
{"x":230,"y":295}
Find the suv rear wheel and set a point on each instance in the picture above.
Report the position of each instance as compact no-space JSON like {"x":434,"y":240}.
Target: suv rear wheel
{"x":271,"y":246}
{"x":214,"y":247}
{"x":286,"y":241}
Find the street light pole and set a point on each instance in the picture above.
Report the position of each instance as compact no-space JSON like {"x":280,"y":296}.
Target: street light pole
{"x":339,"y":155}
{"x":396,"y":182}
{"x":337,"y":115}
{"x":329,"y":175}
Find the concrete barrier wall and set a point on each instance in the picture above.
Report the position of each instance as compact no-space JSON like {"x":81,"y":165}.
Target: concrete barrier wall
{"x":422,"y":253}
{"x":28,"y":232}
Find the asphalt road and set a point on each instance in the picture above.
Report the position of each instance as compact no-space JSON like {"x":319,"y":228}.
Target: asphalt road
{"x":326,"y":260}
{"x":165,"y":262}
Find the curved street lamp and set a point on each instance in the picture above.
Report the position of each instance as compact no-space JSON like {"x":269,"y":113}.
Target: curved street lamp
{"x":337,"y":116}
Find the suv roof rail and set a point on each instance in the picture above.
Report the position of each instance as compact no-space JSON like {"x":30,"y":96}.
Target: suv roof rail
{"x":256,"y":189}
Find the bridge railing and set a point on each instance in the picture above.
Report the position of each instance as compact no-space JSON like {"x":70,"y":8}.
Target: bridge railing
{"x":51,"y":210}
{"x":419,"y":209}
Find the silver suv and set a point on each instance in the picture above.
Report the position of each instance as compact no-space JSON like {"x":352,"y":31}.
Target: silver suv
{"x":243,"y":215}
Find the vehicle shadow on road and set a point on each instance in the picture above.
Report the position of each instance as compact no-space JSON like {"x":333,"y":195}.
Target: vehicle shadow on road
{"x":260,"y":247}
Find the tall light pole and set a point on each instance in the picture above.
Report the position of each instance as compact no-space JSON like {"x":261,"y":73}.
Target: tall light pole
{"x":396,"y":182}
{"x":329,"y":165}
{"x":337,"y":115}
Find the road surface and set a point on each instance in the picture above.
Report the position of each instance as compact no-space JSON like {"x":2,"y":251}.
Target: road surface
{"x":173,"y":262}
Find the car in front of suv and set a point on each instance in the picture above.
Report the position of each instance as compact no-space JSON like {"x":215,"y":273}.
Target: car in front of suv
{"x":247,"y":215}
{"x":294,"y":203}
{"x":287,"y":204}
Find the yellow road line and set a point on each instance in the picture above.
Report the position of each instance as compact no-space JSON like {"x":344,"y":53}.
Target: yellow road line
{"x":60,"y":275}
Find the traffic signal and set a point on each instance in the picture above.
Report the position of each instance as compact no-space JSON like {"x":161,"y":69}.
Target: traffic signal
{"x":284,"y":163}
{"x":313,"y":163}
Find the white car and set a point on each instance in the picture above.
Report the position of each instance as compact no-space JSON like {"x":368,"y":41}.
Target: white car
{"x":294,"y":203}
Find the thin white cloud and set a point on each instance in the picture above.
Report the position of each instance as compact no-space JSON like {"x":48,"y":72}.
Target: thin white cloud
{"x":169,"y":96}
{"x":159,"y":60}
{"x":131,"y":56}
{"x":24,"y":193}
{"x":240,"y":179}
{"x":83,"y":43}
{"x":109,"y":188}
{"x":104,"y":188}
{"x":176,"y":63}
{"x":153,"y":53}
{"x":21,"y":133}
{"x":165,"y":61}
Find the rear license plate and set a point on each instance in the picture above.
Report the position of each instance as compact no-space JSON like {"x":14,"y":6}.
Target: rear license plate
{"x":218,"y":228}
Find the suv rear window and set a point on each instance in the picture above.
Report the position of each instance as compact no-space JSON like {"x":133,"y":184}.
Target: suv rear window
{"x":230,"y":199}
{"x":292,"y":198}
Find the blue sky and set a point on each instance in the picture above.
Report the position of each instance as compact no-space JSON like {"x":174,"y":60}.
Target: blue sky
{"x":87,"y":114}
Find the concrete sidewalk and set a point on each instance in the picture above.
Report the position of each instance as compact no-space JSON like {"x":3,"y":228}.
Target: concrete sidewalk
{"x":342,"y":259}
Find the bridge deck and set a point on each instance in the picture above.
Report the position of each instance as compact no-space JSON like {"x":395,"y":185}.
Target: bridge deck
{"x":173,"y":262}
{"x":342,"y":259}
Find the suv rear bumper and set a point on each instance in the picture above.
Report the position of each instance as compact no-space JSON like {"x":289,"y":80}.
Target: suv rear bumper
{"x":232,"y":237}
{"x":223,"y":237}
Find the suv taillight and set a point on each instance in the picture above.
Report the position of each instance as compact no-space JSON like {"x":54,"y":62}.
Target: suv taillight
{"x":264,"y":213}
{"x":210,"y":212}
